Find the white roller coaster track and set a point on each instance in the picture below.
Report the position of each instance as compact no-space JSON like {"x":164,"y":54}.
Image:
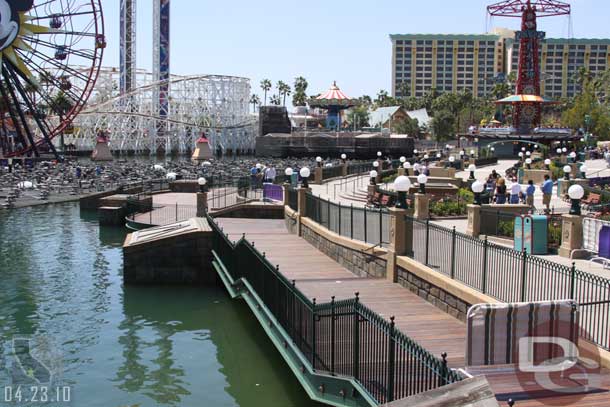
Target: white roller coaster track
{"x":214,"y":104}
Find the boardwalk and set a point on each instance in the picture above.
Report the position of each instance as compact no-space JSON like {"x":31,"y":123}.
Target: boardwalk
{"x":318,"y":276}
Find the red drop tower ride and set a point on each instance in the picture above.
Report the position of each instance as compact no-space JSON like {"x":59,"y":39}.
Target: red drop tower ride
{"x":526,"y":114}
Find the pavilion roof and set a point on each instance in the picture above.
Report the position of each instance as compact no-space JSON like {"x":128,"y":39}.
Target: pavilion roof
{"x":333,"y":97}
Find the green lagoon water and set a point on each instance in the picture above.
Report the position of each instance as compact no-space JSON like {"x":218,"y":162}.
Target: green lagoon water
{"x":61,"y":282}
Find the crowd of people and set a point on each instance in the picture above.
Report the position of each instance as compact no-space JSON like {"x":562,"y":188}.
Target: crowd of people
{"x":498,"y":192}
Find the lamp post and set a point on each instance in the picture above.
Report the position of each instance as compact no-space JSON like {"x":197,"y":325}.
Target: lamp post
{"x":343,"y":158}
{"x":566,"y":172}
{"x":402,"y":185}
{"x":288,"y":172}
{"x":304,"y":173}
{"x":426,"y":157}
{"x":373,"y":175}
{"x":403,"y":159}
{"x":462,"y":154}
{"x":477,"y":188}
{"x":416,"y":168}
{"x":493,"y":151}
{"x":528,"y":153}
{"x":583,"y":171}
{"x":202,"y":184}
{"x":520,"y":156}
{"x":471,"y":153}
{"x":573,"y":157}
{"x":406,"y":166}
{"x":528,"y":163}
{"x":472,"y":168}
{"x":438,"y":156}
{"x":421,"y":180}
{"x":415,"y":152}
{"x":378,"y":154}
{"x":558,"y":151}
{"x":319,"y":161}
{"x":375,"y":165}
{"x":547,"y":163}
{"x":451,"y":161}
{"x":575,"y":192}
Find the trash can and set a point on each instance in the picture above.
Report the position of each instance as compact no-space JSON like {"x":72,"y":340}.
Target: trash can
{"x":531,"y":234}
{"x":604,"y":242}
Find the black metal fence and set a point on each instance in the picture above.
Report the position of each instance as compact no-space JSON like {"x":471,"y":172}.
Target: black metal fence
{"x":364,"y":224}
{"x":513,"y":276}
{"x":358,"y":168}
{"x":163,"y":214}
{"x":340,"y":337}
{"x":497,"y":223}
{"x":293,"y":198}
{"x":332,"y":172}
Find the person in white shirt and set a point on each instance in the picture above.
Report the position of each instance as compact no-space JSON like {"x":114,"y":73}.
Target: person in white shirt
{"x":515,"y":189}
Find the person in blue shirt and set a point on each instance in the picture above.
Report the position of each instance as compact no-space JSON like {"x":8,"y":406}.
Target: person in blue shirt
{"x":547,"y":191}
{"x":529,"y":194}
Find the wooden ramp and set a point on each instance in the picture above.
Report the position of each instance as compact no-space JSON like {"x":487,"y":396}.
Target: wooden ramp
{"x":320,"y":277}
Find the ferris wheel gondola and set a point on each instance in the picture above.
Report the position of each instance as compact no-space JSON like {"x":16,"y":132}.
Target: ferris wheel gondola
{"x":41,"y":91}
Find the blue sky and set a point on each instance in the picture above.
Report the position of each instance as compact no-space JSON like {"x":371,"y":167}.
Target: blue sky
{"x":321,"y":40}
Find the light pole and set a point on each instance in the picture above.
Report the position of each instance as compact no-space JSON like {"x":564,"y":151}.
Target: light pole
{"x":304,"y":173}
{"x":373,"y":175}
{"x":472,"y":168}
{"x":477,"y":188}
{"x":547,"y":163}
{"x":319,"y":161}
{"x":202,"y":184}
{"x":528,"y":163}
{"x":288,"y":172}
{"x":402,"y":185}
{"x":406,"y":166}
{"x":566,"y":172}
{"x":575,"y":192}
{"x":583,"y":171}
{"x":421,"y":180}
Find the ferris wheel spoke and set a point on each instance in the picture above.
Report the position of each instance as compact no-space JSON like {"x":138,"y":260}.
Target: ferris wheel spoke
{"x":17,"y":105}
{"x":54,"y":47}
{"x":56,"y":65}
{"x":43,"y":126}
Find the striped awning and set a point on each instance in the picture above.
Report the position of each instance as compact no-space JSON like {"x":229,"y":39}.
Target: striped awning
{"x":525,"y":99}
{"x":333,"y":97}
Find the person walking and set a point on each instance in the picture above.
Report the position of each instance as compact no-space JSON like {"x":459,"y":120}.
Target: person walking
{"x":529,"y":194}
{"x":515,"y":190}
{"x":501,"y":191}
{"x":547,"y":192}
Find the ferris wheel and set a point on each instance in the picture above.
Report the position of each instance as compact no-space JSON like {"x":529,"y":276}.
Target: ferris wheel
{"x":50,"y":55}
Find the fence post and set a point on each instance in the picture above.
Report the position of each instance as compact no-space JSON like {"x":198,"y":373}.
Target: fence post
{"x":328,"y":214}
{"x":573,"y":281}
{"x":445,"y":369}
{"x":453,"y":242}
{"x":339,"y":218}
{"x":365,"y":227}
{"x":523,"y":275}
{"x":380,"y":227}
{"x":391,"y":360}
{"x":484,"y":280}
{"x":356,"y":339}
{"x":176,"y":211}
{"x":313,"y":335}
{"x":427,"y":239}
{"x":332,"y":335}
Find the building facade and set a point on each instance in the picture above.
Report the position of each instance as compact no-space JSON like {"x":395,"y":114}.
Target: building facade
{"x":449,"y":63}
{"x":453,"y":63}
{"x":560,"y":59}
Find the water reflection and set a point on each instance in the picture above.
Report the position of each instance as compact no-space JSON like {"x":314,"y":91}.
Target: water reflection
{"x":61,"y":277}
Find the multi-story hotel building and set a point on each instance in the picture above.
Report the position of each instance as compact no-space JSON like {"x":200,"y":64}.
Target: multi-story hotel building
{"x":560,"y":59}
{"x":452,"y":63}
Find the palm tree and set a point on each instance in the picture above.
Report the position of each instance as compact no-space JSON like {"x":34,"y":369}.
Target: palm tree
{"x":266,"y":87}
{"x":275,"y":100}
{"x":283,"y":89}
{"x":300,"y":87}
{"x":254,"y":100}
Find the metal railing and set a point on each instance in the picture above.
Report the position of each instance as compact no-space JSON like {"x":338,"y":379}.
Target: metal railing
{"x":293,"y":199}
{"x":340,"y":337}
{"x":332,"y":172}
{"x":161,"y":215}
{"x":364,"y":224}
{"x":512,"y":276}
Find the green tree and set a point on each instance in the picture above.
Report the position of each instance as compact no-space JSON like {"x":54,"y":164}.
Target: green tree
{"x":283,"y":90}
{"x":443,"y":125}
{"x":358,"y":117}
{"x":266,"y":87}
{"x":299,"y":97}
{"x":275,"y":100}
{"x":588,"y":104}
{"x":254,"y":100}
{"x":61,"y":105}
{"x":407,"y":126}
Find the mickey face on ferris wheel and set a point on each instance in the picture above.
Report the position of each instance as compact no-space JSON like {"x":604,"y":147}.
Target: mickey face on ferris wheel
{"x":9,"y":19}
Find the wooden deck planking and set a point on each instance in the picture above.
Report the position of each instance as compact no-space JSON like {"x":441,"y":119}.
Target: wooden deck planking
{"x":320,"y":277}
